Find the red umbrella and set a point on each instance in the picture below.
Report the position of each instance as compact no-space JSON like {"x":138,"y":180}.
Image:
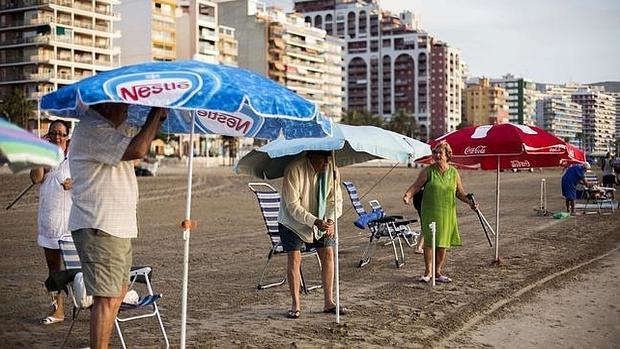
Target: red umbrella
{"x":507,"y":146}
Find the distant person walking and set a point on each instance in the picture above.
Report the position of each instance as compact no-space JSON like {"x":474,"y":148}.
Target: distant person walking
{"x":574,"y":175}
{"x":53,"y":214}
{"x":442,"y":185}
{"x":607,"y":165}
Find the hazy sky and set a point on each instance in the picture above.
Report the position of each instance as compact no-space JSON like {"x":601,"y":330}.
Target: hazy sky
{"x":544,"y":40}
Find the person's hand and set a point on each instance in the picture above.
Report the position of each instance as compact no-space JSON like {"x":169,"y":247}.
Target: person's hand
{"x":473,"y":205}
{"x":407,"y":198}
{"x":326,"y":226}
{"x":330,"y":228}
{"x":67,"y":184}
{"x":160,"y":113}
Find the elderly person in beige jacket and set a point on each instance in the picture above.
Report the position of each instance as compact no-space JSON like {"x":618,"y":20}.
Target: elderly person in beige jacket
{"x":307,"y":214}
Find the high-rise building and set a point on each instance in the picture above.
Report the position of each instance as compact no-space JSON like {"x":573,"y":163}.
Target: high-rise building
{"x":386,"y":57}
{"x":197,"y":29}
{"x":561,"y":117}
{"x":227,"y":46}
{"x":521,"y":98}
{"x":287,"y":50}
{"x":484,"y":104}
{"x":446,"y":86}
{"x":47,"y":44}
{"x":599,"y":120}
{"x":149,"y":33}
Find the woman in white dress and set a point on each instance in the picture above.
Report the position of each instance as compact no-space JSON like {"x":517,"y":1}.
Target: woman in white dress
{"x":54,"y":207}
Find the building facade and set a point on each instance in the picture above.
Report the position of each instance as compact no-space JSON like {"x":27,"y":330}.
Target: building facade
{"x":599,"y":120}
{"x":197,"y":29}
{"x":561,"y":117}
{"x":484,"y":104}
{"x":47,"y":44}
{"x":150,"y":35}
{"x":446,"y":86}
{"x":227,"y":46}
{"x":521,"y":98}
{"x":386,"y":57}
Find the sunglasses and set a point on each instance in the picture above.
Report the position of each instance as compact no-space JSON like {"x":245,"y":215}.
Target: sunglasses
{"x":54,"y":134}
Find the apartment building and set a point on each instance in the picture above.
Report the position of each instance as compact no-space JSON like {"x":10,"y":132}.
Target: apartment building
{"x":227,"y":46}
{"x":521,"y":98}
{"x":150,"y":34}
{"x":484,"y":104}
{"x":47,"y":44}
{"x":286,"y":49}
{"x":384,"y":52}
{"x":562,"y":117}
{"x":446,"y":86}
{"x":197,"y":29}
{"x":599,"y":120}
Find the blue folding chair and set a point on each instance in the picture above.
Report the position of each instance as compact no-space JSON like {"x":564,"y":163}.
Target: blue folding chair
{"x":269,"y":203}
{"x":147,"y":305}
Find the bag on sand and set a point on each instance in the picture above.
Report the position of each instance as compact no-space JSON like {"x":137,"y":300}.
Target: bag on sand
{"x":79,"y":292}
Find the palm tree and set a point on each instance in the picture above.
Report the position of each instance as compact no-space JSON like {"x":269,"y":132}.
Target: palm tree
{"x":17,"y":108}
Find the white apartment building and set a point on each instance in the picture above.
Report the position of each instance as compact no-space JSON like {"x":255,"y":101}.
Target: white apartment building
{"x":47,"y":44}
{"x":386,"y":56}
{"x":521,"y":98}
{"x":599,"y":120}
{"x":561,"y":117}
{"x":288,"y":50}
{"x":197,"y":29}
{"x":149,"y":34}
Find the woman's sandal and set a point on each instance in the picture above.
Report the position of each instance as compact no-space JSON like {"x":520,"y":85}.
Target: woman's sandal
{"x":51,"y":320}
{"x":293,"y":314}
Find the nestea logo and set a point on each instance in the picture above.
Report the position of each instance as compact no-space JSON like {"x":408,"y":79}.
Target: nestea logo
{"x":154,"y":88}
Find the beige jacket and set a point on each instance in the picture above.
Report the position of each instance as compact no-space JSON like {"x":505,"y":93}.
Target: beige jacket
{"x":298,"y":205}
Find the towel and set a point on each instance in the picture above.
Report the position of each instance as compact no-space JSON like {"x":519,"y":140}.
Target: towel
{"x":321,"y":198}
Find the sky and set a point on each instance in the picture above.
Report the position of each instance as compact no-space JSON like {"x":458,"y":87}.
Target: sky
{"x":552,"y":41}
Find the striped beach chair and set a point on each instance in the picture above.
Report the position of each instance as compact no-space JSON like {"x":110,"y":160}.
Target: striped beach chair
{"x":269,"y":203}
{"x":392,"y":227}
{"x":145,"y":307}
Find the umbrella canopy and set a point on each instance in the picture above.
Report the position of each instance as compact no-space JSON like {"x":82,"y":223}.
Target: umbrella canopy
{"x":201,"y":98}
{"x":22,"y":150}
{"x":352,"y":144}
{"x":517,"y":146}
{"x":224,"y":100}
{"x":507,"y":146}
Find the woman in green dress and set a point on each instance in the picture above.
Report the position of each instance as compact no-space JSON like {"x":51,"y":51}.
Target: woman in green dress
{"x":442,"y":185}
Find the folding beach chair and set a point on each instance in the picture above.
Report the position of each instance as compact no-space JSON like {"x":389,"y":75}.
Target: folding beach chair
{"x":391,"y":227}
{"x":269,"y":203}
{"x":145,"y":307}
{"x":597,"y":196}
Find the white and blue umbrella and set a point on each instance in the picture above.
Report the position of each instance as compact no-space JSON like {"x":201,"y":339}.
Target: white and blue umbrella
{"x":202,"y":98}
{"x":348,"y":144}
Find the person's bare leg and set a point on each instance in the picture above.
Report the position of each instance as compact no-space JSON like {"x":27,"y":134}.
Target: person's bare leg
{"x":567,"y":205}
{"x":428,"y":260}
{"x":294,"y":278}
{"x":571,"y":203}
{"x":441,"y":260}
{"x":102,"y":316}
{"x":327,"y":276}
{"x":420,"y":248}
{"x":53,"y":259}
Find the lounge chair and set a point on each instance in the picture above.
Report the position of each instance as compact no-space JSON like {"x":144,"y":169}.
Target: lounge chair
{"x":269,"y":203}
{"x":392,"y":227}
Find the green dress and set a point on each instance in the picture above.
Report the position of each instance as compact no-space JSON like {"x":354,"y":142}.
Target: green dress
{"x":439,"y":205}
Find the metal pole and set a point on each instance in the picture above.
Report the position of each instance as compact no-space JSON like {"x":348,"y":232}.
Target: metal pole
{"x":497,"y":214}
{"x":186,"y":235}
{"x":433,"y":227}
{"x":336,"y":264}
{"x":19,"y":196}
{"x":39,"y":117}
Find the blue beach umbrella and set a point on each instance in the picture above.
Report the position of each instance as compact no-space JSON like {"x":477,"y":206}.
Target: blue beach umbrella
{"x":348,"y":144}
{"x":202,"y":98}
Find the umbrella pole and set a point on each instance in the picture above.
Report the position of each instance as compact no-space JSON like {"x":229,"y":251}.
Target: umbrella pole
{"x":496,"y":261}
{"x":19,"y":196}
{"x":336,"y":264}
{"x":186,"y":234}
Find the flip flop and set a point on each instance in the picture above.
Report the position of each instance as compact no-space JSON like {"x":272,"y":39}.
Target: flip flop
{"x":443,"y":279}
{"x":293,"y":314}
{"x":424,"y":278}
{"x":343,"y":311}
{"x":51,"y":320}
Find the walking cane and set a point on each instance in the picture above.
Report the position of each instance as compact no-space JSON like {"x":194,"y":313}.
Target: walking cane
{"x":483,"y":221}
{"x":19,"y":196}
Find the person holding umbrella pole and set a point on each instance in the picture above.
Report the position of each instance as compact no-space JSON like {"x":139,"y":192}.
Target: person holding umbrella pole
{"x":442,"y":184}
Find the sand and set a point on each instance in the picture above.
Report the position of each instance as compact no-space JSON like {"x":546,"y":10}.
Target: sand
{"x":505,"y":306}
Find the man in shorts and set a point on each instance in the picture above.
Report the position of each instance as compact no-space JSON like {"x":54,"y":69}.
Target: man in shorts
{"x":103,"y":218}
{"x":307,"y":214}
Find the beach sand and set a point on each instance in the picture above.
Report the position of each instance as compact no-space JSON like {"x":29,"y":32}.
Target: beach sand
{"x":389,"y":308}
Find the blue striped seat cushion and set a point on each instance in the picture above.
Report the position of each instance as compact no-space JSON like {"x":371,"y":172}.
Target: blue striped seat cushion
{"x":143,"y":302}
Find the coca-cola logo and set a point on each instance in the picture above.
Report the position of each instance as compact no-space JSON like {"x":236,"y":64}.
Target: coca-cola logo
{"x":519,"y":164}
{"x":479,"y":149}
{"x":154,"y":88}
{"x":242,"y":123}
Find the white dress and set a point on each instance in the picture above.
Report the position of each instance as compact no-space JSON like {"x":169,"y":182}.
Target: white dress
{"x":54,"y":206}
